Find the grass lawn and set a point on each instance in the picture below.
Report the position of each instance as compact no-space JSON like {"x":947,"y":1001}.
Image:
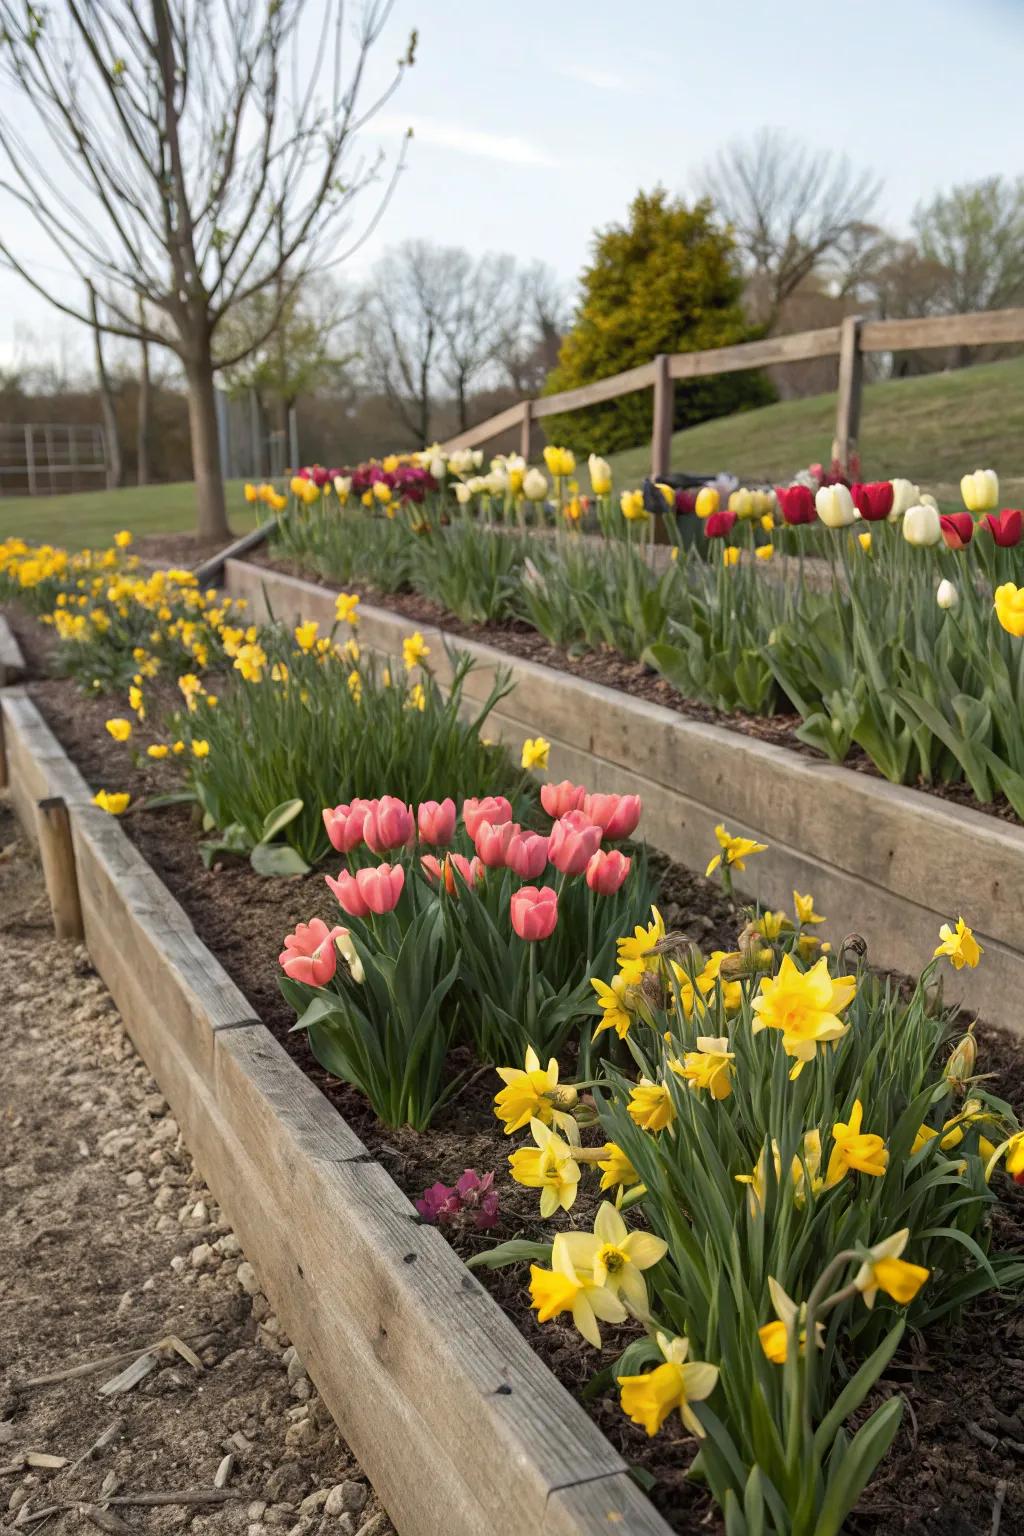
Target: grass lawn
{"x":90,"y":518}
{"x":931,"y":429}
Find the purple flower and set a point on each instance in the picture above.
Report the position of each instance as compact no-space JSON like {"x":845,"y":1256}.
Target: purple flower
{"x":471,"y":1198}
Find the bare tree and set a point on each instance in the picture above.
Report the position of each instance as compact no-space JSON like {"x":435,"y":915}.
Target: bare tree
{"x":532,"y":328}
{"x":145,"y":404}
{"x":788,"y":207}
{"x":204,"y":152}
{"x":402,"y":329}
{"x":483,"y":296}
{"x":975,"y":233}
{"x":111,"y":431}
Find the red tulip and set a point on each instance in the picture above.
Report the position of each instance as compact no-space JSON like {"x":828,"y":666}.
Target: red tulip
{"x":436,"y":823}
{"x":1006,"y":529}
{"x":309,"y":953}
{"x":492,"y":842}
{"x":797,"y":504}
{"x":606,"y":872}
{"x":573,"y":842}
{"x":388,"y":824}
{"x":527,"y":854}
{"x":369,"y":890}
{"x":719,"y":525}
{"x":534,"y":911}
{"x":557,"y":799}
{"x":493,"y":808}
{"x":874,"y":501}
{"x":957,"y":529}
{"x":345,"y":825}
{"x":616,"y":815}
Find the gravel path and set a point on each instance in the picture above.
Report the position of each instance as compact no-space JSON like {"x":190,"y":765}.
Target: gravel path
{"x":110,"y":1242}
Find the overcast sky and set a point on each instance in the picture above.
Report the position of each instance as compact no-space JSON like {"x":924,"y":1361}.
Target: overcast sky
{"x":536,"y":122}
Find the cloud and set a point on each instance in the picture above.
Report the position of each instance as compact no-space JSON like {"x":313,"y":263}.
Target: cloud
{"x":508,"y":148}
{"x":600,"y":79}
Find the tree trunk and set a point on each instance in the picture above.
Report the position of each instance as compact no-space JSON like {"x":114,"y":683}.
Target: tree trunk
{"x":142,"y":438}
{"x":212,"y":521}
{"x":115,"y":468}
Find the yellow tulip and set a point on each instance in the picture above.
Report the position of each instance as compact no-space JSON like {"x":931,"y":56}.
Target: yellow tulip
{"x":707,"y":501}
{"x":1009,"y":601}
{"x":980,"y":490}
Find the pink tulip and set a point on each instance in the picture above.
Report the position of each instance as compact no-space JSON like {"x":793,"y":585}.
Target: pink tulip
{"x":616,"y":815}
{"x":436,"y":823}
{"x":534,"y":911}
{"x":527,"y":854}
{"x":309,"y":953}
{"x":558,"y":799}
{"x":389,"y":824}
{"x":493,"y":808}
{"x":607,"y":871}
{"x":471,"y":871}
{"x":345,"y":825}
{"x":573,"y":842}
{"x":492,"y":842}
{"x":369,"y":890}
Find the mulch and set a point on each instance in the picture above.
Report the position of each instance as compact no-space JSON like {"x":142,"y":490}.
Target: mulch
{"x":959,"y":1454}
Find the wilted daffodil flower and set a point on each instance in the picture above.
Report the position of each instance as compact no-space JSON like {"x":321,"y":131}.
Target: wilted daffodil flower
{"x":775,"y":1336}
{"x":884,"y":1270}
{"x":649,"y":1399}
{"x":854,"y":1151}
{"x":534,"y":1094}
{"x":960,"y":945}
{"x":805,"y":1006}
{"x":709,"y":1068}
{"x":549,"y":1167}
{"x":562,"y":1289}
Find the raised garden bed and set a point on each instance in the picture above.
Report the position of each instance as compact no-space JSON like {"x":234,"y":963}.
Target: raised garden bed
{"x":889,"y":861}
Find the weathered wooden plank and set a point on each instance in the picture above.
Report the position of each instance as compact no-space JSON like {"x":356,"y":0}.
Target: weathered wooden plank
{"x":612,"y":1504}
{"x":755,"y":354}
{"x":983,"y":328}
{"x":37,"y":765}
{"x":211,"y":570}
{"x":12,"y":662}
{"x":625,"y":383}
{"x":504,"y":421}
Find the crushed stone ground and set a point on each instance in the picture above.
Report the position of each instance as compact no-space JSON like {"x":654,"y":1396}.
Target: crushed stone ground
{"x":110,"y":1241}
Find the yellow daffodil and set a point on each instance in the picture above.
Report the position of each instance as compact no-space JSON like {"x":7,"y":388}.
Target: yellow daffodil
{"x":1009,"y":604}
{"x":1012,"y":1150}
{"x":650,"y":1105}
{"x":636,"y":951}
{"x":417,"y":698}
{"x":615,"y":1257}
{"x":774,"y":1337}
{"x":649,"y":1399}
{"x":709,"y":1068}
{"x":614,"y":1013}
{"x":548,"y":1166}
{"x":305,"y":635}
{"x":533,"y":1093}
{"x":734,"y":851}
{"x":773,"y":924}
{"x":177,"y":748}
{"x":962,"y":1061}
{"x":200,"y":749}
{"x":536,"y":752}
{"x":414,"y":650}
{"x":279,"y":672}
{"x":122,"y":539}
{"x":250,"y":661}
{"x":561,"y":1289}
{"x":346,"y":608}
{"x":960,"y":945}
{"x":617,"y":1172}
{"x":854,"y":1151}
{"x":157,"y":751}
{"x":631,"y":505}
{"x":135,"y":701}
{"x":803,"y":906}
{"x":805,"y":1006}
{"x":119,"y":729}
{"x":884,"y":1270}
{"x":114,"y":802}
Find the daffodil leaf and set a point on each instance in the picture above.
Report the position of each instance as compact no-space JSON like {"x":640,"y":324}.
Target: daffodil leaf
{"x":517,"y":1251}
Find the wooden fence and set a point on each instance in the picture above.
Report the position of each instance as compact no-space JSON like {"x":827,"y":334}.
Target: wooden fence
{"x":850,"y":341}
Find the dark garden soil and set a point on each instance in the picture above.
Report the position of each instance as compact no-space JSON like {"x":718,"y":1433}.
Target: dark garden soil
{"x":613,"y":670}
{"x":959,"y":1455}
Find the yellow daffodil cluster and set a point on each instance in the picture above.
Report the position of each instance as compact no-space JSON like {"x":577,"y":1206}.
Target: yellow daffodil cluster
{"x":268,"y":494}
{"x":597,"y":1276}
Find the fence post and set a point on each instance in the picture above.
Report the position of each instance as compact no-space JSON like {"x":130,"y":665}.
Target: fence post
{"x":851,"y":374}
{"x":57,"y":855}
{"x":526,"y":430}
{"x":664,"y":404}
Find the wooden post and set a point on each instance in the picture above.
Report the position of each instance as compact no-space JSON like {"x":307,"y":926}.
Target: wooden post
{"x":526,"y":430}
{"x":851,"y":373}
{"x":664,"y":403}
{"x":4,"y":776}
{"x":57,"y":852}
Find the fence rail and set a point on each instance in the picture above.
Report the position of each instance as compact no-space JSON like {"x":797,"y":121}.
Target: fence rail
{"x":848,"y":341}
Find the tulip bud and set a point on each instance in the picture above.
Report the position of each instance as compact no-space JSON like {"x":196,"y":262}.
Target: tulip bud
{"x":557,"y":799}
{"x":388,"y":824}
{"x":534,"y":912}
{"x":526,"y":854}
{"x":574,"y":841}
{"x":835,"y":506}
{"x":922,"y":527}
{"x":436,"y":823}
{"x":607,"y":871}
{"x":947,"y":595}
{"x":797,"y":504}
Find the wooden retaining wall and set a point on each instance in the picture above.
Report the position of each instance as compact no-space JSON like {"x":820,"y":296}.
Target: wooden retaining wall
{"x":457,"y":1423}
{"x":881,"y":860}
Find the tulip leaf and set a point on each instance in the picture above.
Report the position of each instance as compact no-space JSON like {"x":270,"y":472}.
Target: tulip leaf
{"x":276,"y":820}
{"x":277,"y":860}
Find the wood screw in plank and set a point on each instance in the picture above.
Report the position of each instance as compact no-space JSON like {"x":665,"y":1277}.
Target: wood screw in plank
{"x":57,"y":852}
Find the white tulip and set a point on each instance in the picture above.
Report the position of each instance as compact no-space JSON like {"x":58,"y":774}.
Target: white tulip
{"x":437,"y":467}
{"x":947,"y":595}
{"x":476,"y":485}
{"x":535,"y":485}
{"x":514,"y":464}
{"x":600,"y":475}
{"x":835,"y":506}
{"x":980,"y":491}
{"x":927,"y":500}
{"x":342,"y":485}
{"x":905,"y":495}
{"x":921,"y":526}
{"x":462,"y":492}
{"x":496,"y":482}
{"x":464,"y":459}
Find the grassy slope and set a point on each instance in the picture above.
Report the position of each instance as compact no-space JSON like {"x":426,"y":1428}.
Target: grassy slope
{"x":930,"y":429}
{"x":92,"y":517}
